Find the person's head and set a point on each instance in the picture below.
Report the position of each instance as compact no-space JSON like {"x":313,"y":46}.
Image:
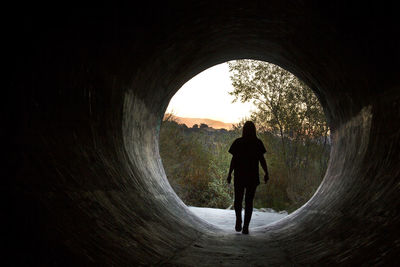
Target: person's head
{"x":249,"y":130}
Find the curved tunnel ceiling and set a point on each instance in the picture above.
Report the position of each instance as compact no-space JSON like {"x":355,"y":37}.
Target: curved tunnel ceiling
{"x":90,"y":92}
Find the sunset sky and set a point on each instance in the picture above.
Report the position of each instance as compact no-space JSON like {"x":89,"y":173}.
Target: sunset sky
{"x":206,"y":96}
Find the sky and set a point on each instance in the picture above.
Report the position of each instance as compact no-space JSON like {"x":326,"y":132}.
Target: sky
{"x":206,"y":96}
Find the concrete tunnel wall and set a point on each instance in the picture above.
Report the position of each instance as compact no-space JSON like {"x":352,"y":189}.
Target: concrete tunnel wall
{"x":91,"y":84}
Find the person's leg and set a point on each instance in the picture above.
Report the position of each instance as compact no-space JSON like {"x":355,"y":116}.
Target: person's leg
{"x":248,"y":210}
{"x":239,"y":190}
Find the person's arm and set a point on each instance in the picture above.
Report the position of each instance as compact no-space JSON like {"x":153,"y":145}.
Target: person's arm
{"x":265,"y":168}
{"x":229,"y":179}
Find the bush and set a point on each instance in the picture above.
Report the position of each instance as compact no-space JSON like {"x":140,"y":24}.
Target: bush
{"x":197,"y":164}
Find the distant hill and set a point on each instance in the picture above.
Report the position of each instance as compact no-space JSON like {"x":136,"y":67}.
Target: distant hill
{"x":189,"y":122}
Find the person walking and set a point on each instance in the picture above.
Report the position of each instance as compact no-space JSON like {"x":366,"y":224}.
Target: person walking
{"x":247,"y":152}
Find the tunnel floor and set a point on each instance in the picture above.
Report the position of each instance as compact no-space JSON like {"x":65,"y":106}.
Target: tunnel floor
{"x":228,"y":248}
{"x":225,"y":247}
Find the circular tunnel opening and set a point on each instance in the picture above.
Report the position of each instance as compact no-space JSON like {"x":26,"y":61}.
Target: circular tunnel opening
{"x":91,"y":91}
{"x":207,"y":114}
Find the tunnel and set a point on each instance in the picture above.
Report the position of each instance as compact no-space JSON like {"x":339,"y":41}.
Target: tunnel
{"x":88,"y":89}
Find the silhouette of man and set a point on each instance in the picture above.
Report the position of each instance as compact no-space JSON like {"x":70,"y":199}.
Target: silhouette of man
{"x":247,"y":151}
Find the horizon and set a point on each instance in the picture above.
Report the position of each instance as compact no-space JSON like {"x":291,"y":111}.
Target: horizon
{"x":198,"y":118}
{"x":212,"y":123}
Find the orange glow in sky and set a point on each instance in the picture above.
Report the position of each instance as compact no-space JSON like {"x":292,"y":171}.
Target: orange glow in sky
{"x":206,"y":96}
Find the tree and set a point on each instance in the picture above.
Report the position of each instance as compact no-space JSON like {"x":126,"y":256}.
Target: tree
{"x":287,"y":108}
